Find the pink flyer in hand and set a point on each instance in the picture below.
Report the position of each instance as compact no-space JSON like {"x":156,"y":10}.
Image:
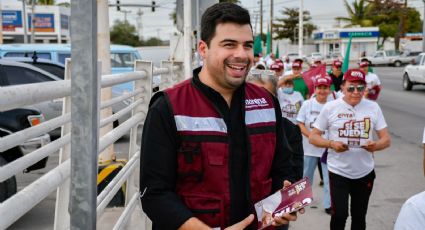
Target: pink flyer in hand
{"x":287,"y":200}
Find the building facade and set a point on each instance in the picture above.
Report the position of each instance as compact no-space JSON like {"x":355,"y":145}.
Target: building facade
{"x":364,"y":41}
{"x":51,"y":23}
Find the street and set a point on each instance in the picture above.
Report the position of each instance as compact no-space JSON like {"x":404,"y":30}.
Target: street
{"x":398,"y":168}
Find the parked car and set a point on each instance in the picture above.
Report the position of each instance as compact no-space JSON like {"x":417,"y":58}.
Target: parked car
{"x":293,"y":56}
{"x":16,"y":73}
{"x":330,"y":58}
{"x":12,"y":121}
{"x":414,"y":74}
{"x":313,"y":57}
{"x":55,"y":68}
{"x":389,"y":57}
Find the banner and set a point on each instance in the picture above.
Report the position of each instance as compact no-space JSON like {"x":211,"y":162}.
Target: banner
{"x":11,"y":19}
{"x":43,"y":22}
{"x":310,"y":75}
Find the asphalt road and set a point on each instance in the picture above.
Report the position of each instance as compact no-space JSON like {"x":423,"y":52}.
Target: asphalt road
{"x":398,"y":168}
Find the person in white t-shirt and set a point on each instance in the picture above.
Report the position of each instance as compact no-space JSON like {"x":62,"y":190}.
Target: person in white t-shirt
{"x":372,"y":82}
{"x":350,"y":121}
{"x":306,"y":117}
{"x":412,"y":214}
{"x":290,"y":101}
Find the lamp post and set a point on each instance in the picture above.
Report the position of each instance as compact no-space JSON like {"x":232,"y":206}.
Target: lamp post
{"x":300,"y":29}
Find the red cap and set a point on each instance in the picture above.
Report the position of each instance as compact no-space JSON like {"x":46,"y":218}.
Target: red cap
{"x":296,"y":64}
{"x":337,"y":63}
{"x":323,"y":80}
{"x":277,"y":60}
{"x":364,"y":64}
{"x":355,"y":75}
{"x":275,"y":66}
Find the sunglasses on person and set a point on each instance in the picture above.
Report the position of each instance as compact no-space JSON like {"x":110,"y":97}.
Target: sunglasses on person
{"x":360,"y":88}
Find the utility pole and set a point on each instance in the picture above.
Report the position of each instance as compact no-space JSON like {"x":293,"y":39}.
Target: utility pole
{"x":32,"y":21}
{"x":125,"y":14}
{"x":140,"y":24}
{"x":1,"y":25}
{"x":300,"y":29}
{"x":261,"y":19}
{"x":271,"y":26}
{"x":24,"y":18}
{"x":256,"y":22}
{"x":423,"y":29}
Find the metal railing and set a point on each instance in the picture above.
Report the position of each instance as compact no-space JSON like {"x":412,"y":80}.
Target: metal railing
{"x":58,"y":178}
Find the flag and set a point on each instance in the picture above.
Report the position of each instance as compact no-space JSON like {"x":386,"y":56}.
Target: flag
{"x":258,"y":47}
{"x":276,"y":54}
{"x":310,"y":75}
{"x":347,"y":56}
{"x":268,"y":42}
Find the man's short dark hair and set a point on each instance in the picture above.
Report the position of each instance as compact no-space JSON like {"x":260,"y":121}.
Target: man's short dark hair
{"x":222,"y":13}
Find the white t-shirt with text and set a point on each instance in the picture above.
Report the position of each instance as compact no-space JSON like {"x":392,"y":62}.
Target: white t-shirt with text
{"x":412,"y":214}
{"x":372,"y":80}
{"x":290,"y":104}
{"x":308,"y":113}
{"x":353,"y":126}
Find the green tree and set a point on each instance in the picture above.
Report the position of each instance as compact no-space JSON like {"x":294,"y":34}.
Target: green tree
{"x":124,"y":33}
{"x":152,"y":42}
{"x":358,"y":14}
{"x":287,"y":26}
{"x":45,"y":2}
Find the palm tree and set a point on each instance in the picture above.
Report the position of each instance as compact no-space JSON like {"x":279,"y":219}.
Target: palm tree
{"x":358,"y":14}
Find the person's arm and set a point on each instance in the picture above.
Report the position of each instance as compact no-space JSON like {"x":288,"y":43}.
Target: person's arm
{"x":303,"y":129}
{"x":158,"y":169}
{"x":295,"y":140}
{"x":317,"y":140}
{"x":384,"y":141}
{"x":320,"y":125}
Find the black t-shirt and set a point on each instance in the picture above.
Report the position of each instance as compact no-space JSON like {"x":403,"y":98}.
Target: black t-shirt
{"x":337,"y":81}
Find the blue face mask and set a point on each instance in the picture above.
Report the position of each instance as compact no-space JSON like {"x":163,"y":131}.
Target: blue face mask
{"x":288,"y":90}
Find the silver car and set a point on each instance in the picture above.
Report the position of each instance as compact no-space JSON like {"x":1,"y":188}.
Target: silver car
{"x":16,"y":73}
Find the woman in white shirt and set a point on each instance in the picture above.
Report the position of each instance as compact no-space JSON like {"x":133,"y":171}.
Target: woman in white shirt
{"x":306,"y":117}
{"x":290,"y":101}
{"x":350,"y":121}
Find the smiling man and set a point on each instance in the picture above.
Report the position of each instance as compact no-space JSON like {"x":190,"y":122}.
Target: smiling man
{"x":211,"y":147}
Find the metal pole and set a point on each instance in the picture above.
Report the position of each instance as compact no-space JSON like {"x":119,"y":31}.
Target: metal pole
{"x":32,"y":21}
{"x":24,"y":18}
{"x":423,"y":30}
{"x":261,"y":19}
{"x":104,"y":54}
{"x":85,"y":114}
{"x":271,"y":27}
{"x":187,"y":33}
{"x":1,"y":25}
{"x":300,"y":29}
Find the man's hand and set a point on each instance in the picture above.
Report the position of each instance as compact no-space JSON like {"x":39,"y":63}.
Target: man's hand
{"x":370,"y":146}
{"x":338,"y":146}
{"x":242,"y":224}
{"x":285,"y":218}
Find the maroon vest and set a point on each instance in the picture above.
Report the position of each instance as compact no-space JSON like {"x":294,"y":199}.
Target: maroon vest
{"x":203,"y":156}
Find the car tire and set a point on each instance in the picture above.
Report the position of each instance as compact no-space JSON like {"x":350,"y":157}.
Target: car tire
{"x":397,"y":63}
{"x":407,"y":84}
{"x":8,"y":187}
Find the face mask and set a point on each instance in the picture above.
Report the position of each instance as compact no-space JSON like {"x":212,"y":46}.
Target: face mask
{"x":288,"y":90}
